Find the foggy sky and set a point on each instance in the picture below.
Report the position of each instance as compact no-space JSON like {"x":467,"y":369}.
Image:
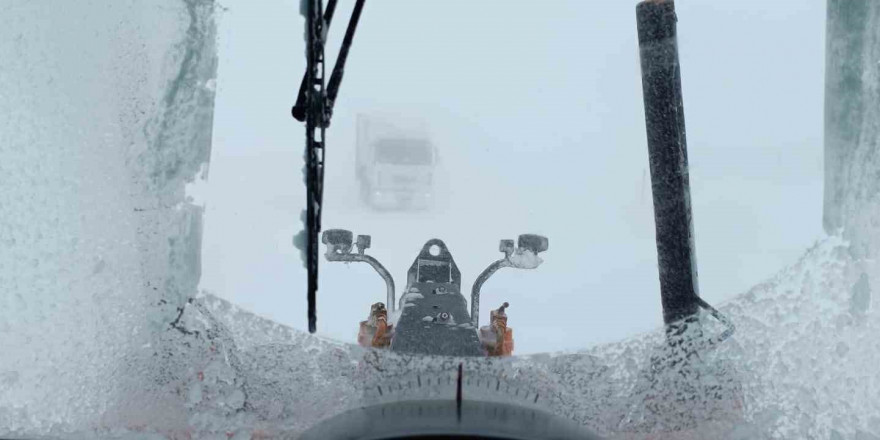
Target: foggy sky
{"x":536,"y":110}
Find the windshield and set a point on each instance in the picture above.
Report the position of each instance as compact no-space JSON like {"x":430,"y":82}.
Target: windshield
{"x":646,"y":219}
{"x":404,"y":152}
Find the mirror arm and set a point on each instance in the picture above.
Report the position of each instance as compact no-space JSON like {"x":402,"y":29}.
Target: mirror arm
{"x":478,"y":284}
{"x":335,"y":254}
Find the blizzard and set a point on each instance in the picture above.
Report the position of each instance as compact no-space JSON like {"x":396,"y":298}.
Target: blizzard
{"x":109,"y":330}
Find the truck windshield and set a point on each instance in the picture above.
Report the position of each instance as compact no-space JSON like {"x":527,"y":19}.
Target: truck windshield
{"x":509,"y":206}
{"x":404,"y":152}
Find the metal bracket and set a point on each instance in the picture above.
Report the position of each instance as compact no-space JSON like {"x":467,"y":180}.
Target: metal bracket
{"x":524,"y":256}
{"x":339,"y":242}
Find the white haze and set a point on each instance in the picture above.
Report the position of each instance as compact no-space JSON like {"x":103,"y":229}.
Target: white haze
{"x":536,"y":110}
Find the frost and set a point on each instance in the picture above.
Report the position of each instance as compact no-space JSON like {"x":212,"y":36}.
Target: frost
{"x":764,"y":382}
{"x":101,"y":248}
{"x":244,"y":374}
{"x":860,"y":299}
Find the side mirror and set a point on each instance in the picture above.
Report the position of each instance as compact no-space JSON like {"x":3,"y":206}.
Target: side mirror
{"x":337,"y":240}
{"x":533,"y":242}
{"x":523,"y":256}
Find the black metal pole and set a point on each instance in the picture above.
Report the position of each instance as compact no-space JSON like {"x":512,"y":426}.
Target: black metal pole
{"x":314,"y":154}
{"x":667,"y":150}
{"x":339,"y":67}
{"x":844,"y":108}
{"x":852,"y":133}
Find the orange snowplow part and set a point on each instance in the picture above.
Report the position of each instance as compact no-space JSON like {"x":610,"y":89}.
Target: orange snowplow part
{"x":376,"y":337}
{"x":497,"y":337}
{"x":375,"y":331}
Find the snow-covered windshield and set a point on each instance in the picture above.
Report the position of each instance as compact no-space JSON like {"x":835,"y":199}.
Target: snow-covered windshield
{"x":153,"y":208}
{"x":404,"y":152}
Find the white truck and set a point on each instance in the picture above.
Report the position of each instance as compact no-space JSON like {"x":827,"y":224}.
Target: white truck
{"x":395,"y":163}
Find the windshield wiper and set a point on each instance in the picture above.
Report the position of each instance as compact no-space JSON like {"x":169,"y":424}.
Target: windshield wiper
{"x":314,"y":106}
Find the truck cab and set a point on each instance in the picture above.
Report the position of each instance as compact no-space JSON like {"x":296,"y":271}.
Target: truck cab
{"x":394,"y":165}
